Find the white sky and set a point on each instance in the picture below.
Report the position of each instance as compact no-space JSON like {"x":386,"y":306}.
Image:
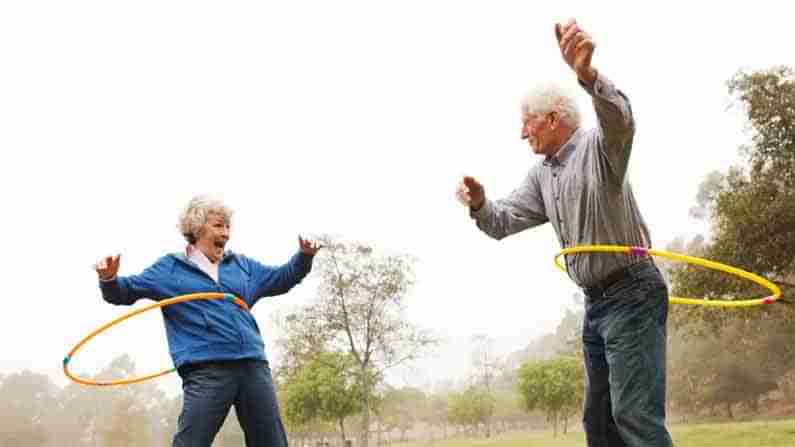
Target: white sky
{"x":349,"y":117}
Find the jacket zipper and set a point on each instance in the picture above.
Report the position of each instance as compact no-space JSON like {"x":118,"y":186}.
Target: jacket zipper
{"x":235,"y":318}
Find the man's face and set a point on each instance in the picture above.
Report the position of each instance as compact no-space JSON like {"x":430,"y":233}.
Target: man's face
{"x":215,"y":232}
{"x":536,"y":129}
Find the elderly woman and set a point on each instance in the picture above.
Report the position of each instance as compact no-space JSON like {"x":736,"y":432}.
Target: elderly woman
{"x":581,"y":188}
{"x":217,"y":349}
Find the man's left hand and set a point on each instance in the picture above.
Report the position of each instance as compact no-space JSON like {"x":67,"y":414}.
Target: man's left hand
{"x":308,"y":247}
{"x":577,"y":48}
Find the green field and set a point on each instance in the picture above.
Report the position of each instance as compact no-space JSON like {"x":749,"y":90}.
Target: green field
{"x":742,"y":434}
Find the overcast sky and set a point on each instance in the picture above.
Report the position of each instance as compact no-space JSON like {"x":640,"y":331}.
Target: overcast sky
{"x":349,"y":117}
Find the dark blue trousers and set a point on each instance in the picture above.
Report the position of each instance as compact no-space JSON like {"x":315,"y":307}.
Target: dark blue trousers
{"x":210,"y":389}
{"x":624,"y":342}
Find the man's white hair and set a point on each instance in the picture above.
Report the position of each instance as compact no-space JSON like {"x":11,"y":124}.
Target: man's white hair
{"x":194,"y":216}
{"x":550,"y":97}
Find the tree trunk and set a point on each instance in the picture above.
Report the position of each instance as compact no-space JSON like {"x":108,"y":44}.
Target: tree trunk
{"x":365,"y":435}
{"x":729,"y":410}
{"x":342,"y":430}
{"x":754,"y":404}
{"x":555,"y":426}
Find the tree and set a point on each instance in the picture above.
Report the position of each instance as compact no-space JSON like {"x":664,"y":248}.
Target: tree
{"x":326,"y":388}
{"x":750,"y":207}
{"x":687,"y":373}
{"x":487,"y":365}
{"x":359,"y":310}
{"x":118,"y":416}
{"x":752,"y":221}
{"x":301,"y":432}
{"x":125,"y":418}
{"x":748,"y":351}
{"x":401,"y":408}
{"x":471,"y":408}
{"x":438,"y":412}
{"x":554,"y":386}
{"x":508,"y":412}
{"x":737,"y":371}
{"x":26,"y":398}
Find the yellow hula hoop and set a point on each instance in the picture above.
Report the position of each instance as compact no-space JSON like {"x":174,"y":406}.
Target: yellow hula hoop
{"x":642,"y":251}
{"x":179,"y":299}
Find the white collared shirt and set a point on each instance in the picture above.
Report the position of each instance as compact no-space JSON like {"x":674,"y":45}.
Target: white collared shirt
{"x":201,"y":260}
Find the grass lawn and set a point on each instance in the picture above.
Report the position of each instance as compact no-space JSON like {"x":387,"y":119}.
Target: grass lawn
{"x":740,"y":434}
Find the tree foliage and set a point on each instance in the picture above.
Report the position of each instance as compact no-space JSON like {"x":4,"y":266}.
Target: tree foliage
{"x":471,"y":408}
{"x":555,"y":387}
{"x":752,"y":222}
{"x":326,"y":388}
{"x":402,"y":408}
{"x":360,"y":310}
{"x":750,"y":206}
{"x":26,"y":398}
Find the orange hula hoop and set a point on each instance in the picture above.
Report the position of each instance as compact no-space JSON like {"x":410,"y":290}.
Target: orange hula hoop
{"x":179,"y":299}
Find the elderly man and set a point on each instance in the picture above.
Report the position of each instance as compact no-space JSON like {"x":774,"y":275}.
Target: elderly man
{"x":217,"y":349}
{"x":581,"y":188}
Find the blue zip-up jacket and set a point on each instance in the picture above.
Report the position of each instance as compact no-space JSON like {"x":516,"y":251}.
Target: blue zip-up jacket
{"x":208,"y":330}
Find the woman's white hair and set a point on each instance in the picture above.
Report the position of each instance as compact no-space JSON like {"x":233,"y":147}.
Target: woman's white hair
{"x":194,"y":216}
{"x":550,"y":97}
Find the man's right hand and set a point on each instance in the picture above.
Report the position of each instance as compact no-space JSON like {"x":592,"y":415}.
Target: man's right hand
{"x":470,"y":193}
{"x":108,"y":267}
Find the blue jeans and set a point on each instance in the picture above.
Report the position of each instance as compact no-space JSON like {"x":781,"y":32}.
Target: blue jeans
{"x":624,"y":337}
{"x":210,"y":389}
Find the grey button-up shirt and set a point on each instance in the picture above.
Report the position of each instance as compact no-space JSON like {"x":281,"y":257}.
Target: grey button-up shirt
{"x":582,"y":191}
